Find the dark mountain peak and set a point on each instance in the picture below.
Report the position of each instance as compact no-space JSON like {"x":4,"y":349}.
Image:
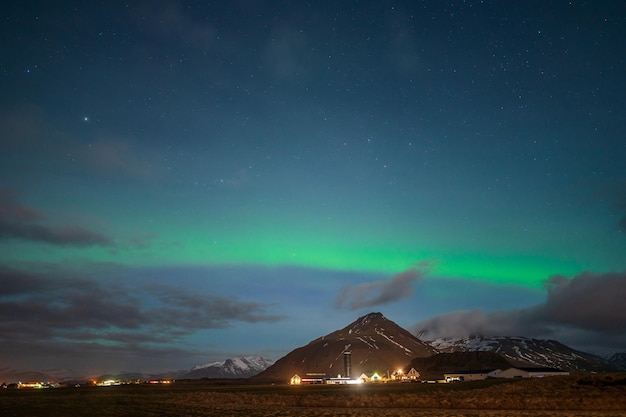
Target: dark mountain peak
{"x":376,"y":343}
{"x":367,"y":323}
{"x":366,"y":319}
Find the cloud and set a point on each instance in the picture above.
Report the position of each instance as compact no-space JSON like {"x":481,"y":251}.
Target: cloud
{"x":578,"y":310}
{"x":22,"y":222}
{"x":200,"y":311}
{"x":380,"y":292}
{"x":589,"y":301}
{"x":55,"y":307}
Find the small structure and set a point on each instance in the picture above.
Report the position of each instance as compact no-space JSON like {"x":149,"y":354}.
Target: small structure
{"x":309,"y":378}
{"x":341,"y":380}
{"x":460,"y":376}
{"x":499,"y":373}
{"x":397,"y":375}
{"x":530,"y":372}
{"x":21,"y":385}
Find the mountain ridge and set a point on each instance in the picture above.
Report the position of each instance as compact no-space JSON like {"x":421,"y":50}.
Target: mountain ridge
{"x":526,"y":351}
{"x":376,"y":343}
{"x":237,"y":367}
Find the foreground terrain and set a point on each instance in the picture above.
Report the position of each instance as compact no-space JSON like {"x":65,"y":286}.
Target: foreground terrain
{"x":592,"y":395}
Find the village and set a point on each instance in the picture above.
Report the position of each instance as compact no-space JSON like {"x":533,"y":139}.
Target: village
{"x":91,"y":383}
{"x":412,"y":375}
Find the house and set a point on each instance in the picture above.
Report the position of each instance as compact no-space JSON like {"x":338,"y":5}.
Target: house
{"x":295,"y":380}
{"x":477,"y":375}
{"x":530,"y":373}
{"x":371,"y":378}
{"x":412,"y":375}
{"x":375,"y":377}
{"x":397,"y":375}
{"x":309,"y":378}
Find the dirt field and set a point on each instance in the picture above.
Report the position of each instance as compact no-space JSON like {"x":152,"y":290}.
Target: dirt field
{"x":577,"y":396}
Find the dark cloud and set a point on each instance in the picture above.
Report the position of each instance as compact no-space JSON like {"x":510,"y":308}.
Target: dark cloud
{"x":50,"y":307}
{"x":15,"y":282}
{"x":198,"y":311}
{"x":588,"y":301}
{"x":22,"y":222}
{"x":586,"y":307}
{"x":73,"y":236}
{"x":89,"y":359}
{"x":380,"y":292}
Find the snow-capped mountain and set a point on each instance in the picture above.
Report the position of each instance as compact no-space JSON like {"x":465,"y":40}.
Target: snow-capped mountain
{"x":376,"y":343}
{"x":524,"y":351}
{"x":238,"y":367}
{"x":618,"y":361}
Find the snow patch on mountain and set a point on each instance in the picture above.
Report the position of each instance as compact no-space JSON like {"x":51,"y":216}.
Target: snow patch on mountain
{"x":381,"y":332}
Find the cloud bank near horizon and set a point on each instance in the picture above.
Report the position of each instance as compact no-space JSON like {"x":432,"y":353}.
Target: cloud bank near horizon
{"x":586,"y":310}
{"x":59,"y":311}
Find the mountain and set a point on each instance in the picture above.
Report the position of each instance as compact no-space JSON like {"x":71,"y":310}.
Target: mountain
{"x":618,"y":361}
{"x":376,"y":343}
{"x":238,"y":367}
{"x":524,"y":351}
{"x":433,"y":367}
{"x":10,"y":375}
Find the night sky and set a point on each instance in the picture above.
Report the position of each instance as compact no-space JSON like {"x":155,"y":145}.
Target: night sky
{"x":186,"y":181}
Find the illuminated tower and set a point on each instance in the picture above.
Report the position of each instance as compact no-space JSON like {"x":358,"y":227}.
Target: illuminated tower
{"x":347,"y":363}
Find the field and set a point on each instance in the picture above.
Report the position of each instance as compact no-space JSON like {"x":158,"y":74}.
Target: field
{"x":584,"y":396}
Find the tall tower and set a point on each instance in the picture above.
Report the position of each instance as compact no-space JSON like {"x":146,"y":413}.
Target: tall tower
{"x":347,"y":363}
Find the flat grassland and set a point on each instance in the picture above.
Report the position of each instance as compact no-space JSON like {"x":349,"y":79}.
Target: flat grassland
{"x":578,"y":395}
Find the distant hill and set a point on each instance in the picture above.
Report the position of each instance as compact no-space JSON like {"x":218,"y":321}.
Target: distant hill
{"x":376,"y":343}
{"x":238,"y":367}
{"x":618,"y":361}
{"x":433,"y":367}
{"x":524,"y":351}
{"x":9,"y":375}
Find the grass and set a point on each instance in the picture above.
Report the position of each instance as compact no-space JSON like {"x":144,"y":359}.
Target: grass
{"x":584,"y":396}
